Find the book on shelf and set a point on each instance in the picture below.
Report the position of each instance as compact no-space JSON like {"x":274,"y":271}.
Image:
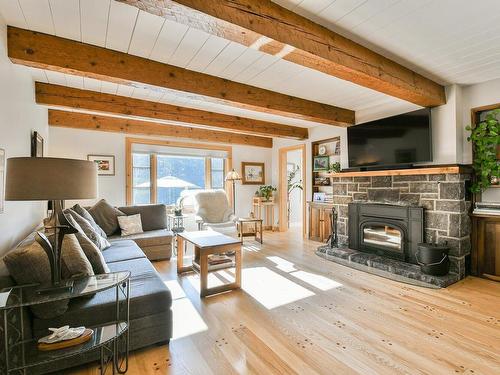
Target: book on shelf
{"x":216,"y":262}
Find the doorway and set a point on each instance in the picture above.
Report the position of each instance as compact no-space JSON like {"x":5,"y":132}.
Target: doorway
{"x":292,"y":188}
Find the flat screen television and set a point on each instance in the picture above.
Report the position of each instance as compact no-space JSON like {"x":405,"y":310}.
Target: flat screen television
{"x":393,"y":141}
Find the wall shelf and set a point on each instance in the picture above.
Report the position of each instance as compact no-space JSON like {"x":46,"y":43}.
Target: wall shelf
{"x":448,"y":169}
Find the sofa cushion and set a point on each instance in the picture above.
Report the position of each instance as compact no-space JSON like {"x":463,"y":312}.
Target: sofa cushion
{"x":150,"y":238}
{"x":148,"y":296}
{"x":85,"y":214}
{"x":85,"y":227}
{"x":105,"y":215}
{"x":122,"y":250}
{"x":130,"y":224}
{"x":74,"y":262}
{"x":29,"y":264}
{"x":153,"y":216}
{"x":93,"y":254}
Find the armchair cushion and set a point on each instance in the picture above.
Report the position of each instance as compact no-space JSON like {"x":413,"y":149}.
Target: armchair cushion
{"x":213,"y":206}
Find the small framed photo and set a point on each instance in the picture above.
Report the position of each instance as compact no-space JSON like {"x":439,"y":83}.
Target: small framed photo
{"x":2,"y":180}
{"x":105,"y":164}
{"x":319,"y":197}
{"x":321,"y":163}
{"x":36,"y":145}
{"x":253,"y":173}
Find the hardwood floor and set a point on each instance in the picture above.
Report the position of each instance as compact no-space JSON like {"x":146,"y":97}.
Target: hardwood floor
{"x":300,"y":314}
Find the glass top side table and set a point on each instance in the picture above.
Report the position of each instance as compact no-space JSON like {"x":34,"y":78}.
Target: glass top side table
{"x":19,"y":353}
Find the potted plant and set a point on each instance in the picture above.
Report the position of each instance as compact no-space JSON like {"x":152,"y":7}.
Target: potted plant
{"x":485,"y":138}
{"x":266,"y":191}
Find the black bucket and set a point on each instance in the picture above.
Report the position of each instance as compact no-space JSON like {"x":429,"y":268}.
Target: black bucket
{"x":433,"y":259}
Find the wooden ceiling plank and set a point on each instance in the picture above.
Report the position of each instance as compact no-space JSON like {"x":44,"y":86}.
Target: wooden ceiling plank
{"x":85,"y":121}
{"x":53,"y":53}
{"x":272,"y":29}
{"x":68,"y":97}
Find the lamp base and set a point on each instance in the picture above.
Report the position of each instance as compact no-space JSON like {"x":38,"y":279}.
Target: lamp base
{"x":61,"y":287}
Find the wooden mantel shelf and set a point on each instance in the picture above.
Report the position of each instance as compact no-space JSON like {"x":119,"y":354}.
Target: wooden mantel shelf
{"x":438,"y":169}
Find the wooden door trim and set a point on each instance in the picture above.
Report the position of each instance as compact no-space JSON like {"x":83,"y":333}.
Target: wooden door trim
{"x":283,"y":221}
{"x":162,"y":142}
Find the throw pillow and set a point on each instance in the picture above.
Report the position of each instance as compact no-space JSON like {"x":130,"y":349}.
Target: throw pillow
{"x":105,"y":215}
{"x":85,"y":214}
{"x":29,"y":264}
{"x":101,"y":242}
{"x":130,"y":224}
{"x":74,"y":262}
{"x":93,"y":254}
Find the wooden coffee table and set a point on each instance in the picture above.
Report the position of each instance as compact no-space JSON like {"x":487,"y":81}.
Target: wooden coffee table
{"x":257,"y":233}
{"x":206,"y":243}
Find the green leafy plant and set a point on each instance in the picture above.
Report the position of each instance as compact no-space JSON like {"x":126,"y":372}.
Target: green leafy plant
{"x":485,"y":139}
{"x":266,"y":191}
{"x":291,"y":183}
{"x":335,"y":167}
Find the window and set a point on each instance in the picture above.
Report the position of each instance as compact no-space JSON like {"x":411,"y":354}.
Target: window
{"x":164,"y":173}
{"x":217,"y":173}
{"x":141,"y":175}
{"x":176,"y":174}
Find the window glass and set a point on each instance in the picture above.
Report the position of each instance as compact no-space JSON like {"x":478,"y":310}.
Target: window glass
{"x":176,"y":174}
{"x":141,"y":172}
{"x":217,"y":173}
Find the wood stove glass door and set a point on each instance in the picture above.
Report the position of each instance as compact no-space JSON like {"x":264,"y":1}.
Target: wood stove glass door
{"x":383,"y":236}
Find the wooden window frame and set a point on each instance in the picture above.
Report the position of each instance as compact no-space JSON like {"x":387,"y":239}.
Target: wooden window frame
{"x":129,"y":142}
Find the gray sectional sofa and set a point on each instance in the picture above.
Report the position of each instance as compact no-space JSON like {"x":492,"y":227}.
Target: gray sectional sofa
{"x":150,"y":298}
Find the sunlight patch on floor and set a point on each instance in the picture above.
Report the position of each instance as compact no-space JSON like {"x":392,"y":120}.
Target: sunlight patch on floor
{"x":282,"y":264}
{"x":317,"y":281}
{"x":187,"y":320}
{"x":216,"y":278}
{"x":270,"y":288}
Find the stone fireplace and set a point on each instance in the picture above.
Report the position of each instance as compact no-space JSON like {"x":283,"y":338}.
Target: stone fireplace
{"x":387,"y":206}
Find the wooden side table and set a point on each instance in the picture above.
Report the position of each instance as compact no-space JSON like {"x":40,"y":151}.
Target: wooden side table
{"x":260,"y":205}
{"x":257,"y":233}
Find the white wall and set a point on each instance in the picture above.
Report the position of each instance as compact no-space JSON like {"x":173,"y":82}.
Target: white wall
{"x":19,"y":116}
{"x":295,"y":157}
{"x":478,"y":95}
{"x":78,"y":144}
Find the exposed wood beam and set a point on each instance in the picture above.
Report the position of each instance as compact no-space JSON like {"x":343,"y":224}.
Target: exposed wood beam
{"x":68,"y":97}
{"x":63,"y":55}
{"x":273,"y":29}
{"x":87,"y":121}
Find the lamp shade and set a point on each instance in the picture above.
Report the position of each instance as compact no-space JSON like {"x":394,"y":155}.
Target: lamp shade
{"x":233,"y":176}
{"x":32,"y":179}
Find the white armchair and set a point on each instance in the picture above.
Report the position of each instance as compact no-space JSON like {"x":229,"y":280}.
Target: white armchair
{"x":214,"y":212}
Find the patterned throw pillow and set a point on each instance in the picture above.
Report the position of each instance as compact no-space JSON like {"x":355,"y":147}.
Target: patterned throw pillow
{"x":130,"y":224}
{"x":101,"y":242}
{"x":85,"y":214}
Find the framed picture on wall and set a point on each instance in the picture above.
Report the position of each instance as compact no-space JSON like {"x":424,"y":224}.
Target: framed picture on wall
{"x":2,"y":179}
{"x":105,"y":164}
{"x":36,"y":145}
{"x":253,"y":173}
{"x":321,"y":163}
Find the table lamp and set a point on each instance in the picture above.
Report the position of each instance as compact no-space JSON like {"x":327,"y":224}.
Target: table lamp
{"x":233,"y":176}
{"x":55,"y":180}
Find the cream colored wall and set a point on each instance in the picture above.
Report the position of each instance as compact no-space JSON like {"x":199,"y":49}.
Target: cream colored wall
{"x":19,"y":116}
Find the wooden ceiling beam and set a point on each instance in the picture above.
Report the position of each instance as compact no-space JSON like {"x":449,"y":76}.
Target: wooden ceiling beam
{"x":85,"y":121}
{"x":53,"y":53}
{"x":68,"y":97}
{"x":272,"y":29}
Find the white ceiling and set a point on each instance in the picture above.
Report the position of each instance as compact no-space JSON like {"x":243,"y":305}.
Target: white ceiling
{"x":440,"y":35}
{"x":450,"y":41}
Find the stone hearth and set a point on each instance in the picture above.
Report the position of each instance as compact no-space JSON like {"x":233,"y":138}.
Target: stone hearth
{"x":443,"y":196}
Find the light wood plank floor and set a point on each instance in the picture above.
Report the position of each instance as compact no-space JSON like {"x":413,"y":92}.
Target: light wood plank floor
{"x":300,"y":314}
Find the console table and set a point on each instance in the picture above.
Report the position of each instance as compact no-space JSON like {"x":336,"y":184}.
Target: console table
{"x":21,"y":353}
{"x":260,"y":205}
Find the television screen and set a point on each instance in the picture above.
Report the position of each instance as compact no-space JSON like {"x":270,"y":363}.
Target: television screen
{"x":402,"y":139}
